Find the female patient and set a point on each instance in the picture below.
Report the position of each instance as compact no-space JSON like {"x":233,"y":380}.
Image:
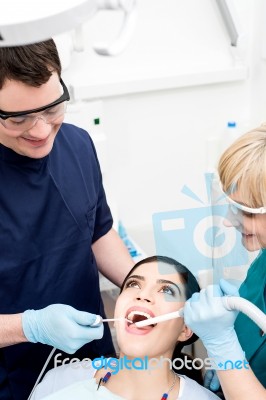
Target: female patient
{"x":156,"y":285}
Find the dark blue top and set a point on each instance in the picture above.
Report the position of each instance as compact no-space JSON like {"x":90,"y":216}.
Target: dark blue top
{"x":51,"y":211}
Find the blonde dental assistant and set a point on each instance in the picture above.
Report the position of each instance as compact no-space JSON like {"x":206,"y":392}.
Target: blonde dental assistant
{"x":55,"y":223}
{"x":155,"y":286}
{"x":242,"y":171}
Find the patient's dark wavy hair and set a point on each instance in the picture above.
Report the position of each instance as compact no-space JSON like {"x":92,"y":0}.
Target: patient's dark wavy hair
{"x":191,"y":286}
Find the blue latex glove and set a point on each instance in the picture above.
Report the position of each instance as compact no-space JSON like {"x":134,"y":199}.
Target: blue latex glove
{"x":60,"y":326}
{"x":207,"y":316}
{"x":211,"y":380}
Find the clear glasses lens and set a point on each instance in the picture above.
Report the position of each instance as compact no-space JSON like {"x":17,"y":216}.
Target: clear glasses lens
{"x":26,"y":122}
{"x":234,"y":209}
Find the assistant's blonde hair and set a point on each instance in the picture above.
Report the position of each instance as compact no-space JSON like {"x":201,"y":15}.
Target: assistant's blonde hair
{"x":242,"y":167}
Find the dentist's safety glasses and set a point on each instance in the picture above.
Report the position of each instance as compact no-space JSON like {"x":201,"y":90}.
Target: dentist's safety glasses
{"x":234,"y":205}
{"x":23,"y":121}
{"x":238,"y":206}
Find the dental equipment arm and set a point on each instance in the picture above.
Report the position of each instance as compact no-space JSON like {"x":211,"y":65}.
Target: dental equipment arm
{"x":127,"y":30}
{"x":30,"y":21}
{"x":60,"y":326}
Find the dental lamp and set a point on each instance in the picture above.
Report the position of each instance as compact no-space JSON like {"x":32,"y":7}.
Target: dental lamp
{"x":31,"y":21}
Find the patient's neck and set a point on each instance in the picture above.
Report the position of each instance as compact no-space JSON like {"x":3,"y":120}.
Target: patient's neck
{"x":143,"y":379}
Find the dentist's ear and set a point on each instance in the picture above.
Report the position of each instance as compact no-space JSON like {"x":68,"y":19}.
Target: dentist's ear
{"x":185,"y":334}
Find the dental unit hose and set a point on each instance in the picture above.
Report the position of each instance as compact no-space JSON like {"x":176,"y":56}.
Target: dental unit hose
{"x":248,"y":308}
{"x":42,"y":372}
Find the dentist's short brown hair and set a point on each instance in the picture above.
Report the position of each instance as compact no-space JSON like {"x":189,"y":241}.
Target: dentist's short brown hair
{"x":31,"y":64}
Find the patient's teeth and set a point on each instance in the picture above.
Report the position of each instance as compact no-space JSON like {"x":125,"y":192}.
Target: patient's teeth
{"x":132,"y":313}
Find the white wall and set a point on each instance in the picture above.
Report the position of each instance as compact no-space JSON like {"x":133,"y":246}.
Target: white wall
{"x":157,"y":139}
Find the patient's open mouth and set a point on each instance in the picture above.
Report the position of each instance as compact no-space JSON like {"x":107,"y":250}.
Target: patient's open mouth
{"x":136,"y":316}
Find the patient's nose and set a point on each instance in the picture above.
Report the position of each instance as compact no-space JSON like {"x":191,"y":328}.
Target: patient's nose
{"x":145,"y":294}
{"x":147,"y":300}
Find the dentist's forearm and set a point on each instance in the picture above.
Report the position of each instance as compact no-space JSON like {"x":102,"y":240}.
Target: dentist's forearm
{"x":11,"y":331}
{"x":112,"y":257}
{"x":241,"y":384}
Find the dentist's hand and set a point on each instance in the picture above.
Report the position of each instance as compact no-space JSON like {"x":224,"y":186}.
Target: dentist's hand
{"x":207,"y":316}
{"x":60,"y":326}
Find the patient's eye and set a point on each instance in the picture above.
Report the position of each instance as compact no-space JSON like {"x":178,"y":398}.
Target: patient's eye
{"x":168,"y":289}
{"x":132,"y":283}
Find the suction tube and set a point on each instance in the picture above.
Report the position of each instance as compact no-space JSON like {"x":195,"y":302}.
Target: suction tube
{"x":248,"y":308}
{"x":159,"y":318}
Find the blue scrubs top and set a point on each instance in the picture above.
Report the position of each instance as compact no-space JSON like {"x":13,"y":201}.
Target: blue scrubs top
{"x":51,"y":211}
{"x":249,"y":334}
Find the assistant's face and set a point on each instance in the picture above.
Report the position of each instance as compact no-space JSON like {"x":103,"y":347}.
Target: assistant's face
{"x":251,"y":226}
{"x":152,"y":289}
{"x":36,"y":142}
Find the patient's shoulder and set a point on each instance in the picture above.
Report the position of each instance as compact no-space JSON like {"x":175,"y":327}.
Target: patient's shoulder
{"x":65,"y":375}
{"x":192,"y":390}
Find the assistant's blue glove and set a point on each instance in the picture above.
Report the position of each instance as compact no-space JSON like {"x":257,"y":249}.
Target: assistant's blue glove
{"x":211,"y":380}
{"x":207,"y":316}
{"x":60,"y":326}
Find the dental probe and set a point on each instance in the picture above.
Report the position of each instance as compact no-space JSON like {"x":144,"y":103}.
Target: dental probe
{"x":160,"y":318}
{"x":99,"y":320}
